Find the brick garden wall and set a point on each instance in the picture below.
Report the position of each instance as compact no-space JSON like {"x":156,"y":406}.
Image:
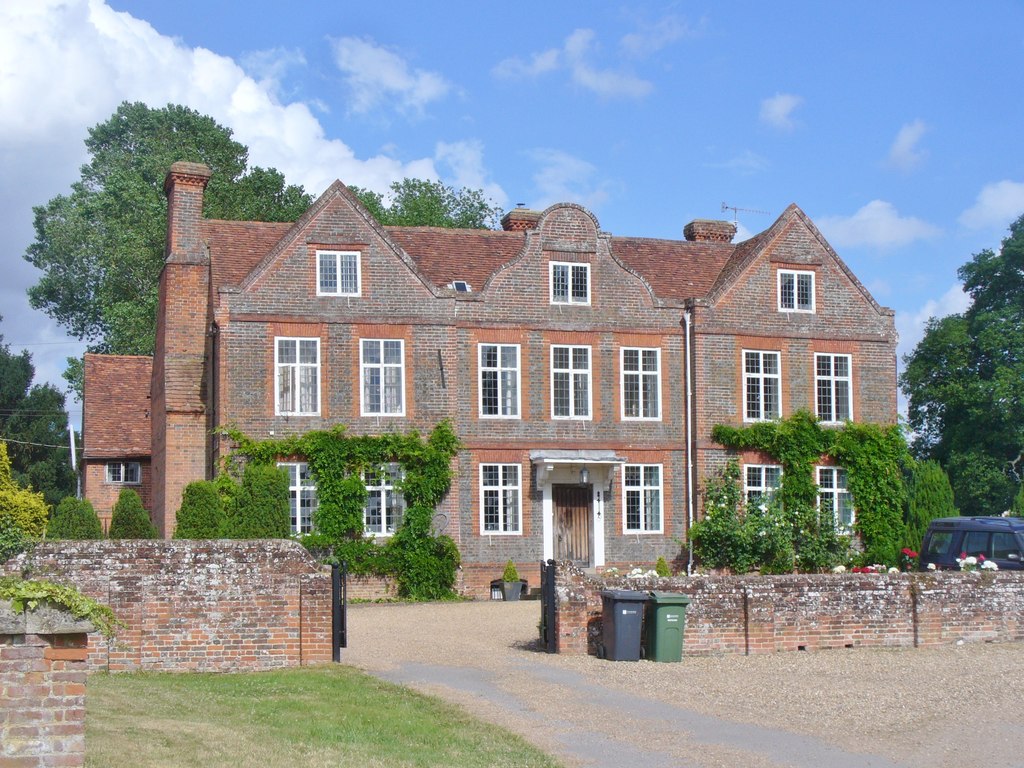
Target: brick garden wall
{"x":198,"y":605}
{"x":768,"y":614}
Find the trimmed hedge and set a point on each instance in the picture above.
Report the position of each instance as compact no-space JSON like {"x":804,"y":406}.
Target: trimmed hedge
{"x":130,"y":520}
{"x":74,"y":519}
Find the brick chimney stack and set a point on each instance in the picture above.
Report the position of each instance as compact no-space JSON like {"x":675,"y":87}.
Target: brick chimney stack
{"x":709,"y":231}
{"x":520,"y":219}
{"x":178,"y":389}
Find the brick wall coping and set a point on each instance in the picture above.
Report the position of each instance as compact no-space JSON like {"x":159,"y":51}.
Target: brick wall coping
{"x":44,"y":619}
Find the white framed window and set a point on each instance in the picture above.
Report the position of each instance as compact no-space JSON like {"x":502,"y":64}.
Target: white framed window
{"x":642,"y":498}
{"x":761,"y":385}
{"x":570,"y":382}
{"x":570,"y":283}
{"x":382,"y":377}
{"x":339,"y":273}
{"x":301,"y":495}
{"x":760,"y":480}
{"x":124,"y":472}
{"x":796,"y":291}
{"x":501,"y":499}
{"x":641,"y":383}
{"x":834,"y":498}
{"x":499,"y":381}
{"x":297,"y":373}
{"x":832,"y":384}
{"x":385,"y":506}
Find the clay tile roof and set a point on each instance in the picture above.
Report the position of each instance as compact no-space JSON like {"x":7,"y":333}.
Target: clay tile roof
{"x":675,"y":269}
{"x":238,"y":246}
{"x":444,"y":255}
{"x":116,"y":412}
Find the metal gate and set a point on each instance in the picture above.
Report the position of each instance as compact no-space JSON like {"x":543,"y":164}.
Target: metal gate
{"x":548,"y":638}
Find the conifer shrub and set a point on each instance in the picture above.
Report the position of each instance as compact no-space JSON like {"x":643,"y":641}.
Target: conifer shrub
{"x":74,"y":519}
{"x":661,"y":567}
{"x":1017,"y":509}
{"x":22,"y":507}
{"x":202,"y":512}
{"x":261,"y":509}
{"x":929,"y":496}
{"x":130,"y":520}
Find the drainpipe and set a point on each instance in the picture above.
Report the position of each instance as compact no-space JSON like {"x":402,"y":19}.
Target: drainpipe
{"x":687,"y":319}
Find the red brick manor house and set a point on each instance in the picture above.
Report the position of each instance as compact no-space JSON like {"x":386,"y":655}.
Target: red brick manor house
{"x":583,"y":371}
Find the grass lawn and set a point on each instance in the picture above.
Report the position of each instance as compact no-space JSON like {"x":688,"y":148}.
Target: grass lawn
{"x":316,"y":716}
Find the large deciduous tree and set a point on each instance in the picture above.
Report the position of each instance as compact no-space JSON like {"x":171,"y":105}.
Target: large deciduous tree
{"x":420,"y":203}
{"x":34,"y":423}
{"x":101,"y":247}
{"x":965,"y":383}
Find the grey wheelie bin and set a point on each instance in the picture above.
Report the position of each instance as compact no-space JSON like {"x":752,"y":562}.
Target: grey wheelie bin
{"x":664,"y":624}
{"x":623,"y":611}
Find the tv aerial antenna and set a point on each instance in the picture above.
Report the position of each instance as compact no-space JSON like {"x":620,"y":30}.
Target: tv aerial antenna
{"x":736,"y":209}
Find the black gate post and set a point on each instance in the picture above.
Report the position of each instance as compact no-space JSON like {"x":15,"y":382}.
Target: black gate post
{"x":339,"y":609}
{"x":547,"y":606}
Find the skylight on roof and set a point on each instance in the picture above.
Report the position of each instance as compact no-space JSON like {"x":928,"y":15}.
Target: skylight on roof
{"x":461,"y":286}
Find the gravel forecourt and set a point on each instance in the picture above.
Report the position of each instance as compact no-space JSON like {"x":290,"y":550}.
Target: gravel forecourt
{"x":935,"y":708}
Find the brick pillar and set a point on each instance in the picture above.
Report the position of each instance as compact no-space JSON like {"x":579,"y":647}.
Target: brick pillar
{"x":180,"y":375}
{"x":42,"y":688}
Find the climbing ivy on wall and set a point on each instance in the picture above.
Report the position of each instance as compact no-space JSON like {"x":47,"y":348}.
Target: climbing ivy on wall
{"x":423,"y":564}
{"x":873,"y":457}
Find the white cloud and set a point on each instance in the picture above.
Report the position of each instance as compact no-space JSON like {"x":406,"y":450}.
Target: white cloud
{"x":561,"y":177}
{"x":904,"y":153}
{"x":270,"y":66}
{"x":465,"y":159}
{"x":745,"y":163}
{"x":575,"y":56}
{"x":910,"y":325}
{"x":997,"y":205}
{"x":878,"y":224}
{"x":379,"y":76}
{"x":777,"y":111}
{"x":653,"y":37}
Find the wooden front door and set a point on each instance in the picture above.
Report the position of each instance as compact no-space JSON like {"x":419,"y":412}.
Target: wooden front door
{"x":572,"y":522}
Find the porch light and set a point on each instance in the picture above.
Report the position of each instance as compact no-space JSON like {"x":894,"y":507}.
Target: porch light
{"x":584,"y":476}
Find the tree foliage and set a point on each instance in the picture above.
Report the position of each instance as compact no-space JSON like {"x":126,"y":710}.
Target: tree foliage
{"x":101,"y":246}
{"x":22,"y":507}
{"x":202,"y":512}
{"x":130,"y":520}
{"x":74,"y":519}
{"x":33,"y":421}
{"x":965,"y":383}
{"x":420,"y":203}
{"x":929,"y":496}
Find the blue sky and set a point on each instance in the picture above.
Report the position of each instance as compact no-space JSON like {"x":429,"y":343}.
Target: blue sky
{"x":896,"y":127}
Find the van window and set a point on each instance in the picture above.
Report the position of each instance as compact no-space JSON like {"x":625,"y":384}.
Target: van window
{"x":977,"y":543}
{"x":938,"y":544}
{"x":1004,"y":545}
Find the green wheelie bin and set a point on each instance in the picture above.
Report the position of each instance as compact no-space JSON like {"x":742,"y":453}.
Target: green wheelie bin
{"x":664,"y":623}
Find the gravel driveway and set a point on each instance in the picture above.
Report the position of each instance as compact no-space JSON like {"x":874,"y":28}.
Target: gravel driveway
{"x":935,"y":708}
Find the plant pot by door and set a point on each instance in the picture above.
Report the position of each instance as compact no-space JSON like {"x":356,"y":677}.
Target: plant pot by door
{"x":511,"y":590}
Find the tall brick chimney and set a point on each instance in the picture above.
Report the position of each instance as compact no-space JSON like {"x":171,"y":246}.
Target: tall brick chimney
{"x":519,"y":219}
{"x":709,"y":231}
{"x":180,"y":354}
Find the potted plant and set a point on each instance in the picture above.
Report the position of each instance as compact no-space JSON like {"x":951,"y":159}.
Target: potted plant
{"x":511,"y":584}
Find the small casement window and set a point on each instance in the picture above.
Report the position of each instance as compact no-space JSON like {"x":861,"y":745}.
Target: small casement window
{"x":297,"y":370}
{"x":570,"y":283}
{"x":385,"y":506}
{"x":796,"y":291}
{"x":124,"y":472}
{"x":760,"y":481}
{"x":570,"y":382}
{"x":641,"y":383}
{"x":501,"y":499}
{"x":761,"y":385}
{"x":301,"y":495}
{"x":382,"y":371}
{"x":642,"y":498}
{"x":499,"y":381}
{"x":832,"y":381}
{"x":338,"y":273}
{"x":833,"y":497}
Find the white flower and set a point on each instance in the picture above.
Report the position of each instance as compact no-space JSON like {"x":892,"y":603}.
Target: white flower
{"x":894,"y":570}
{"x":989,"y":565}
{"x":931,"y":566}
{"x":839,"y":569}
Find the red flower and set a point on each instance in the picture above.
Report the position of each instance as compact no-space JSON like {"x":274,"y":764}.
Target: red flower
{"x":963,"y":555}
{"x":981,"y":558}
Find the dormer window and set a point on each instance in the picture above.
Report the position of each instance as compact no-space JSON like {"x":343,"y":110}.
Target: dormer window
{"x":339,"y":273}
{"x":461,"y":286}
{"x":570,"y":283}
{"x":796,"y":291}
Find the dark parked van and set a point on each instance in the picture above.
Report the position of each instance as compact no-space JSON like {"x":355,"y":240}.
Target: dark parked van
{"x":1000,"y":539}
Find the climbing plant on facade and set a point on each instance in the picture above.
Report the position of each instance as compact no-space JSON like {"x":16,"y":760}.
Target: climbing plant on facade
{"x":423,"y":564}
{"x":873,"y":457}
